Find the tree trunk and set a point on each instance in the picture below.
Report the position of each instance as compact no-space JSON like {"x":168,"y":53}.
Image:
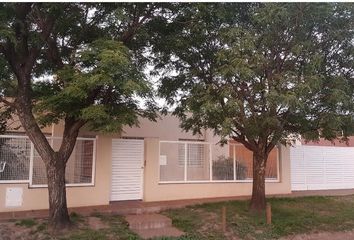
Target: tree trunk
{"x":258,"y":200}
{"x":58,"y":211}
{"x":55,"y":165}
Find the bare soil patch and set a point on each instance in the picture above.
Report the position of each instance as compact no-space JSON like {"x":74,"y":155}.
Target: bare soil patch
{"x":346,"y":235}
{"x":96,"y":223}
{"x":14,"y":231}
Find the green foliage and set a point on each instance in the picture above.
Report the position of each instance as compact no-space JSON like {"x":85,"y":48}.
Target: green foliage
{"x":5,"y":116}
{"x":79,"y":63}
{"x":104,"y":72}
{"x":41,"y":227}
{"x":262,"y":72}
{"x":27,"y":223}
{"x":76,"y":218}
{"x":290,"y":216}
{"x":87,"y":234}
{"x":90,"y":66}
{"x":223,"y":169}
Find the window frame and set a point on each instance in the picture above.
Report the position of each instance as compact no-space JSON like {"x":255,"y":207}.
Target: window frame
{"x":24,"y":181}
{"x":190,"y":150}
{"x":266,"y":179}
{"x":91,"y":184}
{"x":185,"y":179}
{"x":30,"y":175}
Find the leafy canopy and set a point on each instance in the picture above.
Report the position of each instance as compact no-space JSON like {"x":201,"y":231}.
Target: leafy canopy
{"x":279,"y":69}
{"x":88,"y":61}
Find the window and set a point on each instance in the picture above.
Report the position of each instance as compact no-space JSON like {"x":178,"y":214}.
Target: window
{"x":184,"y":161}
{"x":195,"y":154}
{"x":87,"y":157}
{"x":17,"y":154}
{"x":191,"y":161}
{"x":79,"y":168}
{"x":223,"y":168}
{"x":14,"y":159}
{"x":171,"y":170}
{"x":244,"y":163}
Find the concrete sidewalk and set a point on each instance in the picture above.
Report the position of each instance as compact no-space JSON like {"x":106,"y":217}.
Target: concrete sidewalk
{"x":140,"y":207}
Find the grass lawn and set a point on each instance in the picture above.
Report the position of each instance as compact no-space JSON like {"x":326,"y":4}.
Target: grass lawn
{"x":290,"y":216}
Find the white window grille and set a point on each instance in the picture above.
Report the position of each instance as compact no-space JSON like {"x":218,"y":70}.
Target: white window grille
{"x":15,"y":158}
{"x":184,"y":161}
{"x":191,"y":161}
{"x":23,"y":163}
{"x":79,"y":168}
{"x":195,"y":154}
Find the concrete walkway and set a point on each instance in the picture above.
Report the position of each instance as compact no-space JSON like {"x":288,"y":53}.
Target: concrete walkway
{"x":139,"y":207}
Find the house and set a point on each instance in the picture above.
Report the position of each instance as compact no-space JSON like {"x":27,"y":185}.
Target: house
{"x":157,"y":161}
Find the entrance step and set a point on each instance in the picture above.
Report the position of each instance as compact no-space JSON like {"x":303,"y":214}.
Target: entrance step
{"x":137,"y":210}
{"x":148,"y":221}
{"x":152,"y":225}
{"x":159,"y":232}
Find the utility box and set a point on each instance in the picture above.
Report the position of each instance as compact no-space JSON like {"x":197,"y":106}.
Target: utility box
{"x":14,"y":196}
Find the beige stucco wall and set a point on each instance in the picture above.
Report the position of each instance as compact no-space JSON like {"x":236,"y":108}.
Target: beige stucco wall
{"x":153,"y":191}
{"x":14,"y":125}
{"x":165,"y":128}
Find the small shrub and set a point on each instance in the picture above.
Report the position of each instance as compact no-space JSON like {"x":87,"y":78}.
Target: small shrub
{"x":41,"y":227}
{"x":75,"y":217}
{"x":223,"y":169}
{"x":26,"y":223}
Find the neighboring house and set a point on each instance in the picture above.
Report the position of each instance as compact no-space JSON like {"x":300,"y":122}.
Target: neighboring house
{"x":154,"y":162}
{"x":335,"y":143}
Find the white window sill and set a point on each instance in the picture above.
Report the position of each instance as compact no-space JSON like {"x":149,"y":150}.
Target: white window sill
{"x":217,"y":181}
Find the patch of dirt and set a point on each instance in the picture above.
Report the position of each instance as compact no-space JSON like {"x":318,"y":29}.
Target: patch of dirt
{"x":231,"y":236}
{"x":345,"y":199}
{"x":212,"y":223}
{"x":11,"y":231}
{"x":96,"y":223}
{"x":345,"y":235}
{"x":209,"y":219}
{"x":14,"y":231}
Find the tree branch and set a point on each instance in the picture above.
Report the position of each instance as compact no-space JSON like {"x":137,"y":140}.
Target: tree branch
{"x":2,"y":48}
{"x":71,"y":131}
{"x":46,"y":24}
{"x":241,"y":138}
{"x":135,"y":25}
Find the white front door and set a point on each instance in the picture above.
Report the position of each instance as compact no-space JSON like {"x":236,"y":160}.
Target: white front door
{"x":127,"y":169}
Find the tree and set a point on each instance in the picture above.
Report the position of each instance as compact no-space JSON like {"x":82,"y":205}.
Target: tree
{"x":259,"y":73}
{"x":79,"y":63}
